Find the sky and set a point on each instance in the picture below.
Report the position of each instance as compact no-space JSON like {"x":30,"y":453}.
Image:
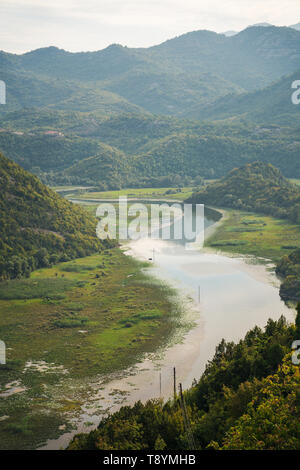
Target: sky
{"x":81,"y":25}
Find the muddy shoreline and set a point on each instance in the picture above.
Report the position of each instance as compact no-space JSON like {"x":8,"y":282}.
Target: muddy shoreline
{"x":247,"y":296}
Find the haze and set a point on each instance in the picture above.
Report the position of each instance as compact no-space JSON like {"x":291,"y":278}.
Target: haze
{"x":77,"y":25}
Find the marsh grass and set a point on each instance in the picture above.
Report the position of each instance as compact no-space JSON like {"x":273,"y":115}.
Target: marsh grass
{"x":155,"y":193}
{"x":22,"y":289}
{"x":42,"y":318}
{"x":253,"y":234}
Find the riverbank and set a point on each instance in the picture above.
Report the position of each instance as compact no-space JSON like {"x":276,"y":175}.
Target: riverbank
{"x":128,"y":330}
{"x":247,"y":233}
{"x":65,"y":326}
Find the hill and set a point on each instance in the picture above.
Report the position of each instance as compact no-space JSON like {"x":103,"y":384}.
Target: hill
{"x":38,"y":227}
{"x":68,"y":106}
{"x":212,"y":156}
{"x":271,"y":105}
{"x":26,"y":88}
{"x":246,"y":399}
{"x":141,"y":150}
{"x":257,"y":187}
{"x":195,"y":68}
{"x":108,"y":169}
{"x":45,"y":152}
{"x":289,"y":269}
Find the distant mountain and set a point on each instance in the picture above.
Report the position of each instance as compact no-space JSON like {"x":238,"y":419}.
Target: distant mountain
{"x":195,"y":68}
{"x":26,"y":89}
{"x":257,"y":187}
{"x":296,"y":26}
{"x":125,"y":116}
{"x":109,"y":169}
{"x":264,"y":25}
{"x":38,"y":227}
{"x":271,"y":105}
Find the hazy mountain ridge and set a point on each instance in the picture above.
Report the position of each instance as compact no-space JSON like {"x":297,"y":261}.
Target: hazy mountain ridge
{"x":73,"y":104}
{"x":196,"y":67}
{"x":270,"y":105}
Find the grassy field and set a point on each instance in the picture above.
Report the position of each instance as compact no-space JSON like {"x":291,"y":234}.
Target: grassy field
{"x":155,"y":193}
{"x":262,"y":236}
{"x":69,"y":323}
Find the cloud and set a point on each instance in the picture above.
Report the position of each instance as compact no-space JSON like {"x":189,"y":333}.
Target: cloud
{"x":94,"y":24}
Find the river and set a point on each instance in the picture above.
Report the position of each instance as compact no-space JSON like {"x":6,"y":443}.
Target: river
{"x":226,"y":296}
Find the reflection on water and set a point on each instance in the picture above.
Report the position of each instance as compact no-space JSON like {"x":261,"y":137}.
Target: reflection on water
{"x":229,"y":296}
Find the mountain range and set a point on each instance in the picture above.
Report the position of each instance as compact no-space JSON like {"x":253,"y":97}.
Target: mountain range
{"x":197,"y":67}
{"x":196,"y":105}
{"x":266,"y":25}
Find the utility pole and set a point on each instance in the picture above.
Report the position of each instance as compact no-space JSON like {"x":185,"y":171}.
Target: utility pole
{"x":187,"y":425}
{"x":199,"y":294}
{"x":174,"y":377}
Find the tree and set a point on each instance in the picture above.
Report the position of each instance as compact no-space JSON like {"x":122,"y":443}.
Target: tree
{"x":159,"y":443}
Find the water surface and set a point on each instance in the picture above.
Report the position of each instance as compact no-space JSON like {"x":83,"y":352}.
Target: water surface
{"x":225,"y":295}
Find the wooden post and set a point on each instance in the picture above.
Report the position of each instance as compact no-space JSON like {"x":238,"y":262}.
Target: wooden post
{"x":199,"y":294}
{"x":174,"y":377}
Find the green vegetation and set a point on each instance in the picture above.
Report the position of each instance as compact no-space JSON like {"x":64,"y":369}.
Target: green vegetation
{"x":138,"y":151}
{"x":147,"y":193}
{"x":189,"y":71}
{"x":39,"y":227}
{"x":85,"y":118}
{"x":41,"y":153}
{"x":265,"y":238}
{"x":255,"y":234}
{"x":52,"y":288}
{"x":270,"y":107}
{"x":96,"y":318}
{"x":247,"y":398}
{"x":259,"y":188}
{"x":256,"y":187}
{"x":289,"y":269}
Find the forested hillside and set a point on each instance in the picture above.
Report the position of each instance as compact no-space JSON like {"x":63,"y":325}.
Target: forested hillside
{"x":38,"y":227}
{"x":108,"y":169}
{"x":151,"y":104}
{"x":170,"y":78}
{"x":142,"y":150}
{"x":48,"y":153}
{"x":270,"y":105}
{"x":213,"y":156}
{"x":247,"y":398}
{"x":289,"y":269}
{"x":257,"y":187}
